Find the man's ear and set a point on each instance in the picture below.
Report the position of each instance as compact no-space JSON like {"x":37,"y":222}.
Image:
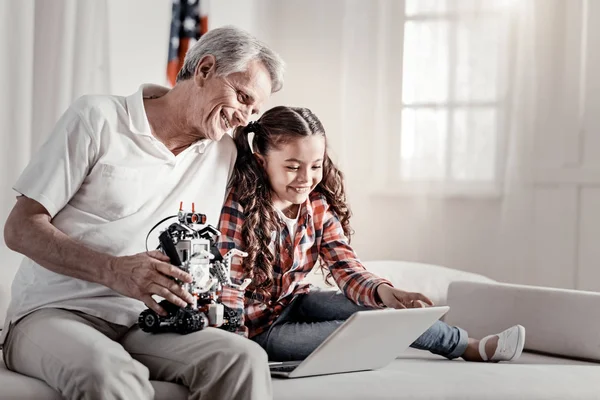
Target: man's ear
{"x":205,"y":69}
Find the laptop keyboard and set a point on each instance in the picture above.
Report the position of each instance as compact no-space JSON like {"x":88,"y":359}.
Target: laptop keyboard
{"x":284,"y":368}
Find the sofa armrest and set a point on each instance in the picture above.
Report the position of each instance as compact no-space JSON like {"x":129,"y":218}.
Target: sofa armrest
{"x":558,"y":321}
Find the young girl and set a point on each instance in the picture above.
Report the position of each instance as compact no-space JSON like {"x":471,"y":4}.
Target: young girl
{"x":287,"y":210}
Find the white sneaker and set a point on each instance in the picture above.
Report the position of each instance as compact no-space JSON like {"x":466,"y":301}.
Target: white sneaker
{"x":510,"y":344}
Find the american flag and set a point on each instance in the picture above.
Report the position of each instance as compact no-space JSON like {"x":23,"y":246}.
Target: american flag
{"x":189,"y":21}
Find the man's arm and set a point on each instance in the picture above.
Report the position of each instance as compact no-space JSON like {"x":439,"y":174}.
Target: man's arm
{"x":29,"y":231}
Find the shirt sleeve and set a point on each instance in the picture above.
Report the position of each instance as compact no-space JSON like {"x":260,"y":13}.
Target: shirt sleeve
{"x":358,"y":284}
{"x":59,"y":167}
{"x":230,"y":226}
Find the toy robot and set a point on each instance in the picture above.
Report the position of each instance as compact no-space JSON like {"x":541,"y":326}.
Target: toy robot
{"x":194,"y":252}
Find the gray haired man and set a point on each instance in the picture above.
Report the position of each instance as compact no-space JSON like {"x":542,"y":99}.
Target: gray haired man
{"x":110,"y":169}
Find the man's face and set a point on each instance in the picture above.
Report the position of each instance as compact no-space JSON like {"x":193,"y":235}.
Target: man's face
{"x":227,"y":102}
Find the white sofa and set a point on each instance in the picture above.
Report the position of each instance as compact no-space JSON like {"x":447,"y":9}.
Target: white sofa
{"x":564,"y":324}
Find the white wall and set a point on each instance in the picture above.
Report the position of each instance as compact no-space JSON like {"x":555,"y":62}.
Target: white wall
{"x":138,"y":43}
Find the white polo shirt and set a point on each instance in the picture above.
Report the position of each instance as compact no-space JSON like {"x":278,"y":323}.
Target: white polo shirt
{"x":105,"y":180}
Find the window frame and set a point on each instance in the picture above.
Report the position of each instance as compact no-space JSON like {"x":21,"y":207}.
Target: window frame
{"x":388,"y":180}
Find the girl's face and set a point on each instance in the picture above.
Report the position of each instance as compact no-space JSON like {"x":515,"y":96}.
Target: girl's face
{"x":294,"y":169}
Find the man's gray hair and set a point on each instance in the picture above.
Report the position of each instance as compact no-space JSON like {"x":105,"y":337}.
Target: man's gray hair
{"x":233,"y":49}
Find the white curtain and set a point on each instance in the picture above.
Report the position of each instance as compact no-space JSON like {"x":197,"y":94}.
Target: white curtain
{"x":53,"y":52}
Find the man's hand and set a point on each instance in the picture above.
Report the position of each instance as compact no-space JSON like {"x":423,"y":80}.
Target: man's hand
{"x":396,"y":298}
{"x":144,"y":274}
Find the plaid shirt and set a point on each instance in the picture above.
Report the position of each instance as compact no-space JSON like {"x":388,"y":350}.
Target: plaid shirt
{"x":318,"y":233}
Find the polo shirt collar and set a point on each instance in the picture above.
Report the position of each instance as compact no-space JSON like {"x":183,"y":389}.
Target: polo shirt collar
{"x":138,"y":120}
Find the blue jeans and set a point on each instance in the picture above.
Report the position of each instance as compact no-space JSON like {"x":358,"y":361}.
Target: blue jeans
{"x":311,"y":317}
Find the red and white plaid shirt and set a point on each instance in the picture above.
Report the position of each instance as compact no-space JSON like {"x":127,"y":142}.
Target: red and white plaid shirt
{"x":318,"y":233}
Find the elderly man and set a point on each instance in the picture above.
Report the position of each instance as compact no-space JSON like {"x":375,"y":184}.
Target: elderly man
{"x":112,"y":167}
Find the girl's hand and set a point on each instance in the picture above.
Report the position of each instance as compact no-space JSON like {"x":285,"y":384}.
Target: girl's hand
{"x":396,"y":298}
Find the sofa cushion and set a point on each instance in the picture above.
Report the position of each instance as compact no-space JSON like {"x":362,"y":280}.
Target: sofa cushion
{"x":16,"y":386}
{"x":9,"y":264}
{"x":431,"y":280}
{"x":422,"y":375}
{"x":558,"y":321}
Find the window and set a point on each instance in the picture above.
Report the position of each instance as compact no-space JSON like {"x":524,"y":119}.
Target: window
{"x":453,"y":89}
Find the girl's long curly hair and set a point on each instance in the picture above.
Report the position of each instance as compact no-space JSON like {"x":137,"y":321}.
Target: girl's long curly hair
{"x":250,"y":183}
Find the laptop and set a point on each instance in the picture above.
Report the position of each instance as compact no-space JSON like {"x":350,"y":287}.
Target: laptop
{"x":365,"y":341}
